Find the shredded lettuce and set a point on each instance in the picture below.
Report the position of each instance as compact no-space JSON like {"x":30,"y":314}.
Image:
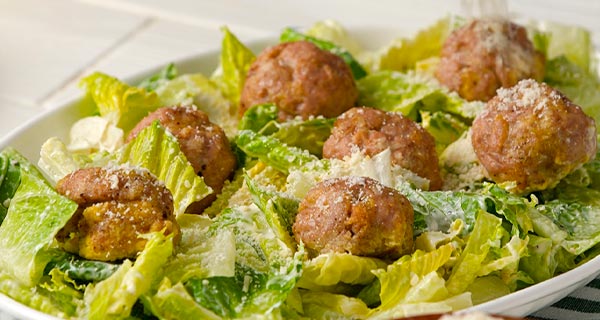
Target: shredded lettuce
{"x":167,"y":73}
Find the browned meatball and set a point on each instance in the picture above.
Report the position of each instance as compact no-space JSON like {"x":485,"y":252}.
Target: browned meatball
{"x":302,"y":80}
{"x":372,"y":131}
{"x":485,"y":55}
{"x":204,"y":144}
{"x":356,"y":215}
{"x":533,"y":135}
{"x":116,"y":207}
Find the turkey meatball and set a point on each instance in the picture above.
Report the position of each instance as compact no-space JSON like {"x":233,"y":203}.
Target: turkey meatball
{"x":116,"y":207}
{"x":485,"y":55}
{"x":533,"y":135}
{"x":356,"y":215}
{"x":204,"y":144}
{"x":302,"y":80}
{"x":371,"y":131}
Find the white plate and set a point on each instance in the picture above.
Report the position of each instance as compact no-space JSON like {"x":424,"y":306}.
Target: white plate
{"x":29,"y":137}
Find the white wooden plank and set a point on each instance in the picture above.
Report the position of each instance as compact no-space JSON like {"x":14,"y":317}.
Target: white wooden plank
{"x":159,"y":43}
{"x":45,"y":43}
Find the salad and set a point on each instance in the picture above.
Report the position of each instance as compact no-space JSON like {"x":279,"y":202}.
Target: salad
{"x":474,"y":240}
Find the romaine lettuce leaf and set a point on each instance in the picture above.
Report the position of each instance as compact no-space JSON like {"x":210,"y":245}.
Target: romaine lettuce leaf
{"x":114,"y":297}
{"x":258,"y":116}
{"x":324,"y":305}
{"x":36,"y":213}
{"x":308,"y":135}
{"x":329,"y":269}
{"x":403,"y":53}
{"x":274,"y":152}
{"x":444,"y":127}
{"x":159,"y":152}
{"x":10,"y":178}
{"x":57,"y":161}
{"x":201,"y":254}
{"x":80,"y":269}
{"x":409,"y":93}
{"x":280,"y":212}
{"x":236,"y":59}
{"x":578,"y":84}
{"x":121,"y":104}
{"x":334,"y":32}
{"x":175,"y":302}
{"x":167,"y":73}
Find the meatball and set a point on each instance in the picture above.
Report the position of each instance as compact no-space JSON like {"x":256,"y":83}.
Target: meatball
{"x":533,"y":135}
{"x":485,"y":55}
{"x":356,"y":215}
{"x":371,"y":131}
{"x":302,"y":80}
{"x":116,"y":207}
{"x":204,"y":144}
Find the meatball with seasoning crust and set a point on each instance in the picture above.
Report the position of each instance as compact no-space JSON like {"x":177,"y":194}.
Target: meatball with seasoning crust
{"x":533,"y":135}
{"x":204,"y":144}
{"x":356,"y":215}
{"x":371,"y":131}
{"x":302,"y":80}
{"x":485,"y":55}
{"x":116,"y":207}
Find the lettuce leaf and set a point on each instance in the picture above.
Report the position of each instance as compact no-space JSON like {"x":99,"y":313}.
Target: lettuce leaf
{"x":578,"y":84}
{"x":114,"y":297}
{"x":309,"y":135}
{"x":175,"y":302}
{"x":324,"y":305}
{"x":409,"y":93}
{"x":201,"y":254}
{"x":121,"y":104}
{"x":151,"y":83}
{"x":10,"y":178}
{"x":159,"y":152}
{"x":334,"y":32}
{"x":274,"y":152}
{"x":258,"y":116}
{"x":36,"y":213}
{"x":403,"y":53}
{"x":329,"y":269}
{"x":236,"y":59}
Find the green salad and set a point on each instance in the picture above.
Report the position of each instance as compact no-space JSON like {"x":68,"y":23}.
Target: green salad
{"x":474,"y":241}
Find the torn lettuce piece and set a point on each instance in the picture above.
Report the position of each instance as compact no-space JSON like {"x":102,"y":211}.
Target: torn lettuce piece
{"x":175,"y":302}
{"x":576,"y":210}
{"x":236,"y":59}
{"x":258,"y":116}
{"x":324,"y":305}
{"x":444,"y":127}
{"x":334,"y":32}
{"x":402,"y":54}
{"x":330,"y":269}
{"x":35,"y":214}
{"x":409,"y":93}
{"x":200,"y":253}
{"x":291,"y":35}
{"x":10,"y":178}
{"x":411,"y":280}
{"x":114,"y":297}
{"x":167,"y":73}
{"x":158,"y":151}
{"x":57,"y":161}
{"x":280,"y":212}
{"x":119,"y":103}
{"x":80,"y":269}
{"x":266,"y":270}
{"x":308,"y":135}
{"x":555,"y":39}
{"x":274,"y":152}
{"x":578,"y":84}
{"x":196,"y":89}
